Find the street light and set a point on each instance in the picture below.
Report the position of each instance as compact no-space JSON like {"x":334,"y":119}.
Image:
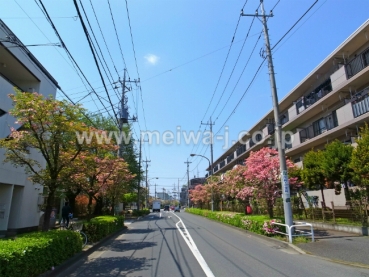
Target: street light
{"x":148,"y":189}
{"x":210,"y":173}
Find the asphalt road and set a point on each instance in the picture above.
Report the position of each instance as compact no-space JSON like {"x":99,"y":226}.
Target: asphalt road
{"x":169,"y":245}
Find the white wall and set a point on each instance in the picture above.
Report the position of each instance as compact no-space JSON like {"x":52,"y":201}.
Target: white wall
{"x":329,"y":195}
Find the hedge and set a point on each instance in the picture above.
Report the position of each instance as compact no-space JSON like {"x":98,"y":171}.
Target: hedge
{"x":31,"y":254}
{"x":140,"y":212}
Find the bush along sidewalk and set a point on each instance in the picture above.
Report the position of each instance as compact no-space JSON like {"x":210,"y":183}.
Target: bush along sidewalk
{"x":259,"y":224}
{"x":32,"y":254}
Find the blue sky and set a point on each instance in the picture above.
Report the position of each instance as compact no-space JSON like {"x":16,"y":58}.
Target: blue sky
{"x":180,"y":48}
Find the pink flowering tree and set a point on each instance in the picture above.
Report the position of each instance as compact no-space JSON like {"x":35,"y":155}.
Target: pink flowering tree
{"x":262,"y":176}
{"x":198,"y":195}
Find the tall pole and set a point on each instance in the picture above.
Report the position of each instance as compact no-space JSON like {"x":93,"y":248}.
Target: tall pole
{"x":188,"y":183}
{"x":155,"y":191}
{"x":147,"y":187}
{"x":139,"y":176}
{"x":211,"y":157}
{"x":278,"y":129}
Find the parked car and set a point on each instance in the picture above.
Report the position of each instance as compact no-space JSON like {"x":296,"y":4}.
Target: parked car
{"x":177,"y":209}
{"x":166,"y":208}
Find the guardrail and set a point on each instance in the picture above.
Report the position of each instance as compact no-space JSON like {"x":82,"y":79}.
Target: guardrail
{"x":301,"y":232}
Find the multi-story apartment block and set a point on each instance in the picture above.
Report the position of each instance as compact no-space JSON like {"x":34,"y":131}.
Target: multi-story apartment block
{"x":19,"y":199}
{"x":332,"y":102}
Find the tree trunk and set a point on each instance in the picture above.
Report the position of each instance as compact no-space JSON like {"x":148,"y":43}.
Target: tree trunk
{"x":99,"y":206}
{"x":72,"y":198}
{"x":89,"y":208}
{"x":270,"y":209}
{"x":323,"y":199}
{"x":48,"y":210}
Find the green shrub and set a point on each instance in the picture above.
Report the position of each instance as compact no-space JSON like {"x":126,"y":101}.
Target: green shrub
{"x":102,"y":226}
{"x":141,"y":212}
{"x":34,"y":253}
{"x":252,"y":223}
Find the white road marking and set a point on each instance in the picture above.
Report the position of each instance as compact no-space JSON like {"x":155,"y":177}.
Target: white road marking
{"x":191,"y":244}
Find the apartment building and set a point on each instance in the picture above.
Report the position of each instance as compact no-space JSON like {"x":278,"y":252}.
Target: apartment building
{"x":332,"y":102}
{"x":19,"y":198}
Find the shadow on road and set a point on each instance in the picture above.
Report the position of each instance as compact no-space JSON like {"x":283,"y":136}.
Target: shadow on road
{"x":115,"y":266}
{"x":122,"y":245}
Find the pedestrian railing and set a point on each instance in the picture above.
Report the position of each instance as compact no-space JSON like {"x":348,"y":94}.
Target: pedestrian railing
{"x":291,"y":232}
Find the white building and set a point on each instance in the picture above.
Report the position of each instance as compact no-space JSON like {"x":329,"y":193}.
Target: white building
{"x":19,"y":198}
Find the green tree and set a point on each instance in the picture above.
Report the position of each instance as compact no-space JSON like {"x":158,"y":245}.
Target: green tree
{"x":336,"y":163}
{"x":360,"y":160}
{"x":312,"y":173}
{"x":48,"y":128}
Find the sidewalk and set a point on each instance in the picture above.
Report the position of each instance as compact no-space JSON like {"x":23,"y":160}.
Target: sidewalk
{"x":348,"y":248}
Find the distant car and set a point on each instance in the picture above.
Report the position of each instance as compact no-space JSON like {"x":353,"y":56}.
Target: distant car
{"x":177,"y":209}
{"x":166,"y":208}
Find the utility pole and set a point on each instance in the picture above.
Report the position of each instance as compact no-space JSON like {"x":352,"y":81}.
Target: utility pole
{"x":278,"y":125}
{"x":211,"y":159}
{"x":123,"y":113}
{"x":155,"y":191}
{"x":211,"y":143}
{"x":188,"y":183}
{"x":139,"y":176}
{"x":147,"y":187}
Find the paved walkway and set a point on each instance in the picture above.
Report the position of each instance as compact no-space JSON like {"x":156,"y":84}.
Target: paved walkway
{"x":340,"y":246}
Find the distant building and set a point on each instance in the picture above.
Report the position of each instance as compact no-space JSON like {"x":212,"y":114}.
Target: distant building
{"x":20,"y":199}
{"x":163,"y":196}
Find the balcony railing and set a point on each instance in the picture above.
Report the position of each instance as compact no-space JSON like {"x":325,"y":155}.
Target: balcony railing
{"x":319,"y":127}
{"x":241,"y":149}
{"x":358,"y":63}
{"x":318,"y":93}
{"x":230,"y":158}
{"x":361,"y":106}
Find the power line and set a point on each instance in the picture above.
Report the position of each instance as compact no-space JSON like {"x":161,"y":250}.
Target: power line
{"x":116,"y":34}
{"x":43,"y":9}
{"x":244,"y":68}
{"x":294,"y":25}
{"x":243,"y":95}
{"x":102,"y":55}
{"x":138,"y":75}
{"x":225,"y":62}
{"x":230,"y":76}
{"x":102,"y":34}
{"x":93,"y":54}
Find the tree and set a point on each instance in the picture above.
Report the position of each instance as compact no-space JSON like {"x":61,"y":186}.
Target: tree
{"x":360,"y":160}
{"x":313,"y":173}
{"x":262,"y":175}
{"x":48,"y":128}
{"x":199,"y":195}
{"x":336,"y":164}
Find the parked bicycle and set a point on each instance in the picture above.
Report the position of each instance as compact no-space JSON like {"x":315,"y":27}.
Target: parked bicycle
{"x":76,"y":227}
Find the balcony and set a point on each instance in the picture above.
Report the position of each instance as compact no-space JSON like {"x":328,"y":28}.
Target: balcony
{"x":241,"y":149}
{"x":230,"y":158}
{"x":358,"y":63}
{"x":361,"y":103}
{"x":319,"y":127}
{"x":318,"y":93}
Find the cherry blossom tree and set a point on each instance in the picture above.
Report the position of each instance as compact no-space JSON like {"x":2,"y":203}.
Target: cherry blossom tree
{"x":262,"y":176}
{"x":199,"y":195}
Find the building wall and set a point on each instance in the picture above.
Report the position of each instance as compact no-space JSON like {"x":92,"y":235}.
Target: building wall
{"x":19,"y":197}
